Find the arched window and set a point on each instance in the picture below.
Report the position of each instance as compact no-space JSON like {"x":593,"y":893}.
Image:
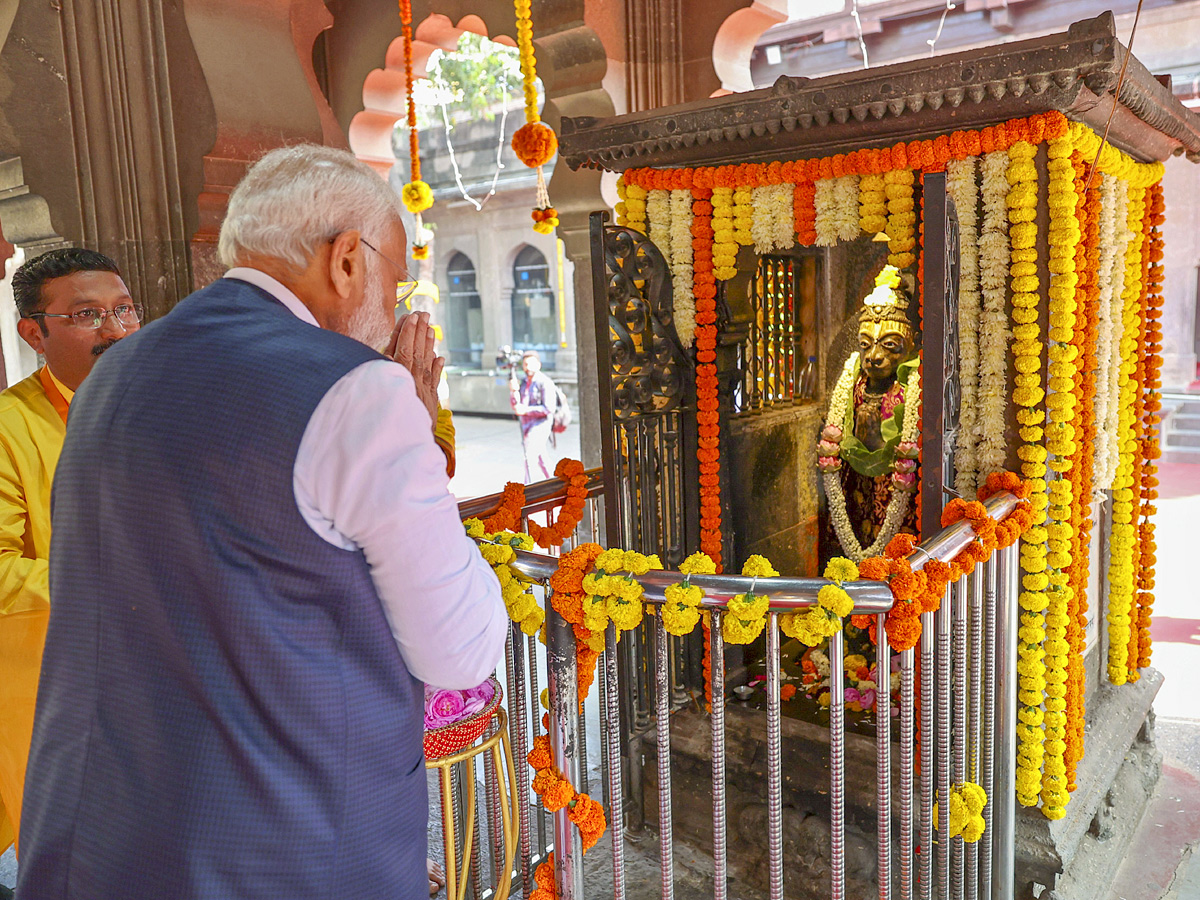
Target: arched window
{"x":534,"y":318}
{"x":464,"y":325}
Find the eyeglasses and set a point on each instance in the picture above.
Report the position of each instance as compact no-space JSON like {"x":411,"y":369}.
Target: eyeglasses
{"x":92,"y":319}
{"x":404,"y":289}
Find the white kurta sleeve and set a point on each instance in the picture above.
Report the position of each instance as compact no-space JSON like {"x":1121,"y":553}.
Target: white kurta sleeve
{"x":368,"y":475}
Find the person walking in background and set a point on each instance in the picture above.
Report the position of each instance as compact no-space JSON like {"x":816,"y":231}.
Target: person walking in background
{"x":534,"y":400}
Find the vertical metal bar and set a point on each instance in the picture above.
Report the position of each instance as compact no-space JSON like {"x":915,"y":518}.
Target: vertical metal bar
{"x":616,"y":799}
{"x":607,"y":722}
{"x":534,"y":700}
{"x":837,"y":766}
{"x":959,"y":722}
{"x":476,"y":852}
{"x":492,"y":775}
{"x":976,"y":712}
{"x":456,"y":815}
{"x":717,"y":654}
{"x":944,"y":711}
{"x":756,"y":342}
{"x":989,"y":724}
{"x":883,"y":757}
{"x":584,"y":784}
{"x":928,"y":742}
{"x":564,"y":744}
{"x":774,"y":762}
{"x":662,"y":727}
{"x":1003,"y":797}
{"x":514,"y":664}
{"x":907,"y":700}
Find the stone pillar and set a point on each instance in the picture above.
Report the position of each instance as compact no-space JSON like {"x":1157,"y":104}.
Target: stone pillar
{"x":105,"y":106}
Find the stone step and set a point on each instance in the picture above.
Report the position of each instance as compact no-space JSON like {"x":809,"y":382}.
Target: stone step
{"x":1181,"y":455}
{"x":1184,"y":422}
{"x":1187,"y":408}
{"x":1183,"y":439}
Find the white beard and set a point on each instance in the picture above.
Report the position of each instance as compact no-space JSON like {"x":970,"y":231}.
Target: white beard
{"x":371,"y":323}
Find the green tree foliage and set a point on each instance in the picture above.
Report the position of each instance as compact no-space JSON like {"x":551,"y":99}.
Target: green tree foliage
{"x":472,"y":81}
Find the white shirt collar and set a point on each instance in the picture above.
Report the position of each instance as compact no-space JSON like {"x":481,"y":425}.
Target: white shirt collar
{"x":276,"y":289}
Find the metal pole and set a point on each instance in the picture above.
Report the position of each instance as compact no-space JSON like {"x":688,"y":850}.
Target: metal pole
{"x":534,"y":698}
{"x":514,"y":664}
{"x":928,"y":742}
{"x":976,"y":702}
{"x":1003,"y":797}
{"x":774,"y":762}
{"x":837,"y":766}
{"x":907,"y":701}
{"x":564,"y":742}
{"x":662,"y":728}
{"x":616,"y":798}
{"x":717,"y":653}
{"x":989,"y":724}
{"x":883,"y":756}
{"x":943,"y":745}
{"x":959,"y":724}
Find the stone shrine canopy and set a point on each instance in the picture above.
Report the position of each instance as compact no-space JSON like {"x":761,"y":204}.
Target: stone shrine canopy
{"x":1075,"y":72}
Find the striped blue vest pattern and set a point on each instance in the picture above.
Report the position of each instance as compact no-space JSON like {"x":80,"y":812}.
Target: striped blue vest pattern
{"x":223,"y":712}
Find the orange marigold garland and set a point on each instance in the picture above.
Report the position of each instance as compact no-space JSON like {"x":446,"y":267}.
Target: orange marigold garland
{"x":567,"y":597}
{"x":707,"y":415}
{"x":570,"y":514}
{"x":535,"y":142}
{"x":1152,"y":405}
{"x":556,"y":793}
{"x":417,"y":195}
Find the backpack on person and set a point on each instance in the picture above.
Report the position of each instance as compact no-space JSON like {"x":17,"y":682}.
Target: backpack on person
{"x":562,"y":411}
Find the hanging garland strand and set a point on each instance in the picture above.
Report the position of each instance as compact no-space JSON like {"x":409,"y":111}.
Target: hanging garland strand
{"x":417,"y":195}
{"x":535,"y":142}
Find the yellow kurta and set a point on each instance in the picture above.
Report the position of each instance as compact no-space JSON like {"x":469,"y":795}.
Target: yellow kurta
{"x":31,"y":436}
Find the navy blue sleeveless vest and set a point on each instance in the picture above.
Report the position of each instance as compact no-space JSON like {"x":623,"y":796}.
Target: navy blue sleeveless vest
{"x":223,"y":712}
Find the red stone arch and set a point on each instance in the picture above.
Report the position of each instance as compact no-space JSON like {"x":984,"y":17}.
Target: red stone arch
{"x":735,"y":39}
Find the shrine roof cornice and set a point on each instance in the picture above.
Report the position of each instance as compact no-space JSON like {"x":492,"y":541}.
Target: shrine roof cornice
{"x":1074,"y":72}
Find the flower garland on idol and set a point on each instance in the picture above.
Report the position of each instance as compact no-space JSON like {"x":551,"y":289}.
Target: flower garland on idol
{"x":417,"y":195}
{"x":535,"y":142}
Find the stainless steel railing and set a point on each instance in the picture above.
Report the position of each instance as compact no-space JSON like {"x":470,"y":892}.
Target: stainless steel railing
{"x":967,"y":715}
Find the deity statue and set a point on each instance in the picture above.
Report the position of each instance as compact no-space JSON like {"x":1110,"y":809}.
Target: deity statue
{"x":868,"y":447}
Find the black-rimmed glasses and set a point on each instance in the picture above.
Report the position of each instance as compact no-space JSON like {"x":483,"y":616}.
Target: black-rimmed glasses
{"x":404,"y":289}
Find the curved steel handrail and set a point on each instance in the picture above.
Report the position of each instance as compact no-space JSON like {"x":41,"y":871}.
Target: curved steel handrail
{"x":786,"y":593}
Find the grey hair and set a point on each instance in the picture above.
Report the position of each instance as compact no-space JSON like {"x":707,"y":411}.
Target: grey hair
{"x":295,"y":198}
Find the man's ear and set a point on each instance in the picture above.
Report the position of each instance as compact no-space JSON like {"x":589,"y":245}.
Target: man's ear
{"x":31,"y":333}
{"x":345,"y":258}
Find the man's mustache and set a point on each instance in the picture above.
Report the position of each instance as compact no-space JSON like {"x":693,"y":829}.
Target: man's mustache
{"x":100,"y":348}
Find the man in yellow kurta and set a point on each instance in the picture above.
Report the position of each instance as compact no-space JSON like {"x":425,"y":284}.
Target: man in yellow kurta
{"x":74,"y":306}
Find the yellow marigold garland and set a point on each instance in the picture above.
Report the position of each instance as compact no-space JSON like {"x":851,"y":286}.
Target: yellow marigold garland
{"x":499,"y":549}
{"x":746,"y":613}
{"x":681,"y":610}
{"x":872,"y":204}
{"x":1064,"y":237}
{"x":898,"y":188}
{"x":725,"y":246}
{"x":615,"y":597}
{"x":967,"y":801}
{"x":743,"y":216}
{"x":535,"y":142}
{"x":1028,"y":394}
{"x":814,"y":625}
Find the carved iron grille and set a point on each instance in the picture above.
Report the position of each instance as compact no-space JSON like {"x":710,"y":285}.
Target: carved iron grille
{"x":647,"y":399}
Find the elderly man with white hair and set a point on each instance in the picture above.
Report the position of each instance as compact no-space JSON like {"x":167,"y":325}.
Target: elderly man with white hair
{"x":256,"y":563}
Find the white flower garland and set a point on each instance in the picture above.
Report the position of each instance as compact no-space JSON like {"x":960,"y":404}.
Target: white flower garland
{"x":1107,"y":438}
{"x":991,"y":451}
{"x":846,"y":207}
{"x":761,"y":229}
{"x":961,"y":184}
{"x":825,"y":205}
{"x":681,"y":266}
{"x":903,"y":467}
{"x":658,"y":219}
{"x":773,"y":226}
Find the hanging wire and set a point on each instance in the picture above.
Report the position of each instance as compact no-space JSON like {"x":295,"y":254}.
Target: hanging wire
{"x":478,"y":204}
{"x":1116,"y":98}
{"x":862,"y":42}
{"x":950,"y":7}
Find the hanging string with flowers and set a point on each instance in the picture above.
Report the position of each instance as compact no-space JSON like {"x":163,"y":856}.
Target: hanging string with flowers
{"x":507,"y":515}
{"x":746,"y":614}
{"x":815,"y":624}
{"x":499,"y":549}
{"x":556,"y":792}
{"x":535,"y":142}
{"x":681,"y":610}
{"x":417,"y":195}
